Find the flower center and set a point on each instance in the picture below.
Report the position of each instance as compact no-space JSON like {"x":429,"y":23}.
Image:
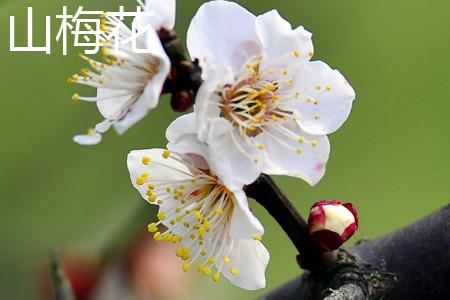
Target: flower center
{"x":254,"y":100}
{"x":196,"y":213}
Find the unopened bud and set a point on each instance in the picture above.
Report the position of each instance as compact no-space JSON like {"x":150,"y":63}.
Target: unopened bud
{"x":331,"y":223}
{"x":182,"y":100}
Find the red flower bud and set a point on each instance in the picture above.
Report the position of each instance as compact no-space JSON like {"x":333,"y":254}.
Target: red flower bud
{"x":331,"y":223}
{"x":182,"y":100}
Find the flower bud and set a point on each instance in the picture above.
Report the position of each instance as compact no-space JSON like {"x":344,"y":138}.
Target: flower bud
{"x":331,"y":223}
{"x":182,"y":100}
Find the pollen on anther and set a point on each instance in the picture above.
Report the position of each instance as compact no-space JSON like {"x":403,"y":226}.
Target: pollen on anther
{"x":234,"y":271}
{"x":296,"y":53}
{"x":299,"y":150}
{"x":316,"y":117}
{"x":318,"y":87}
{"x":314,"y":143}
{"x":152,"y":227}
{"x":261,"y":146}
{"x":161,"y":216}
{"x":328,"y":88}
{"x":166,"y":154}
{"x":216,"y":276}
{"x":257,"y":238}
{"x":75,"y":97}
{"x":310,"y":54}
{"x":146,"y":160}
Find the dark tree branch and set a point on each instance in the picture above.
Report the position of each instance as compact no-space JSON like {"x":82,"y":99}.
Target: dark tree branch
{"x":419,"y":253}
{"x":265,"y":191}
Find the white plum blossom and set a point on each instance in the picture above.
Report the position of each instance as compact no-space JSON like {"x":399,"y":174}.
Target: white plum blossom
{"x":214,"y":229}
{"x":264,"y":106}
{"x":128,"y":82}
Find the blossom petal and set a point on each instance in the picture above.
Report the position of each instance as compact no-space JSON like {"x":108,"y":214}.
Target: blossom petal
{"x":163,"y":11}
{"x":326,"y":98}
{"x":207,"y":100}
{"x":244,"y":224}
{"x":250,"y":259}
{"x":278,"y":39}
{"x":182,"y":136}
{"x":152,"y":91}
{"x":291,"y":151}
{"x":222,"y":33}
{"x":231,"y":158}
{"x":158,"y":168}
{"x":88,"y":139}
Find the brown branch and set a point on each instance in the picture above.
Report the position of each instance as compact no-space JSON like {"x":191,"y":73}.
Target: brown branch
{"x":418,"y":253}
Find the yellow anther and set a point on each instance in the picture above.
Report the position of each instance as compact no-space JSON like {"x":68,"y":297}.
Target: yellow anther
{"x":226,"y":259}
{"x":151,"y":186}
{"x":157,"y":236}
{"x":200,"y":268}
{"x":316,"y":117}
{"x":203,"y":253}
{"x":216,"y":276}
{"x":192,"y":236}
{"x":297,"y":95}
{"x":257,"y":238}
{"x":218,"y":211}
{"x":160,"y":202}
{"x":206,"y":270}
{"x":198,"y":215}
{"x":310,"y":54}
{"x":186,"y":267}
{"x":151,"y":198}
{"x":161,"y":215}
{"x":145,"y":175}
{"x":328,"y":88}
{"x":275,"y":97}
{"x":211,"y":260}
{"x":152,"y":227}
{"x":193,"y":181}
{"x":296,"y":53}
{"x":186,"y":224}
{"x":75,"y":97}
{"x":146,"y":160}
{"x":314,"y":143}
{"x":234,"y":271}
{"x":290,"y":81}
{"x":91,"y":131}
{"x":177,"y":210}
{"x":301,"y":139}
{"x":140,"y":181}
{"x":285,"y":72}
{"x":172,"y":222}
{"x":299,"y":150}
{"x":166,"y":154}
{"x":168,"y":189}
{"x":182,"y":186}
{"x":318,"y":87}
{"x":271,"y":71}
{"x":261,"y":146}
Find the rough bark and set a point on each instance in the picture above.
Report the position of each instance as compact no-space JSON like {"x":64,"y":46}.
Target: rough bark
{"x":413,"y":263}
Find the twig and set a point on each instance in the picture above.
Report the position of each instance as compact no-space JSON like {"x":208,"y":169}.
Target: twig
{"x":268,"y":194}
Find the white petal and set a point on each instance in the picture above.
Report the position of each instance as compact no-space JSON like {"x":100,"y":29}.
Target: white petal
{"x":288,"y":156}
{"x":235,"y":164}
{"x":182,"y":136}
{"x":88,"y":139}
{"x":222,"y":33}
{"x":207,"y":101}
{"x":250,"y":258}
{"x":278,"y":38}
{"x":103,"y":126}
{"x":244,"y":224}
{"x":326,"y":98}
{"x":159,"y":168}
{"x":152,"y":92}
{"x":163,"y":13}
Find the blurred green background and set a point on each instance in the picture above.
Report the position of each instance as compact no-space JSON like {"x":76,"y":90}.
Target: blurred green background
{"x":391,"y":158}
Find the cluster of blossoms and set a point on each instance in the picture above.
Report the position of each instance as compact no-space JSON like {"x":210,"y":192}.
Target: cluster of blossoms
{"x":264,"y":107}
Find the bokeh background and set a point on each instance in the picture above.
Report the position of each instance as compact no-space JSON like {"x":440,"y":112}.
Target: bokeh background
{"x":391,"y":158}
